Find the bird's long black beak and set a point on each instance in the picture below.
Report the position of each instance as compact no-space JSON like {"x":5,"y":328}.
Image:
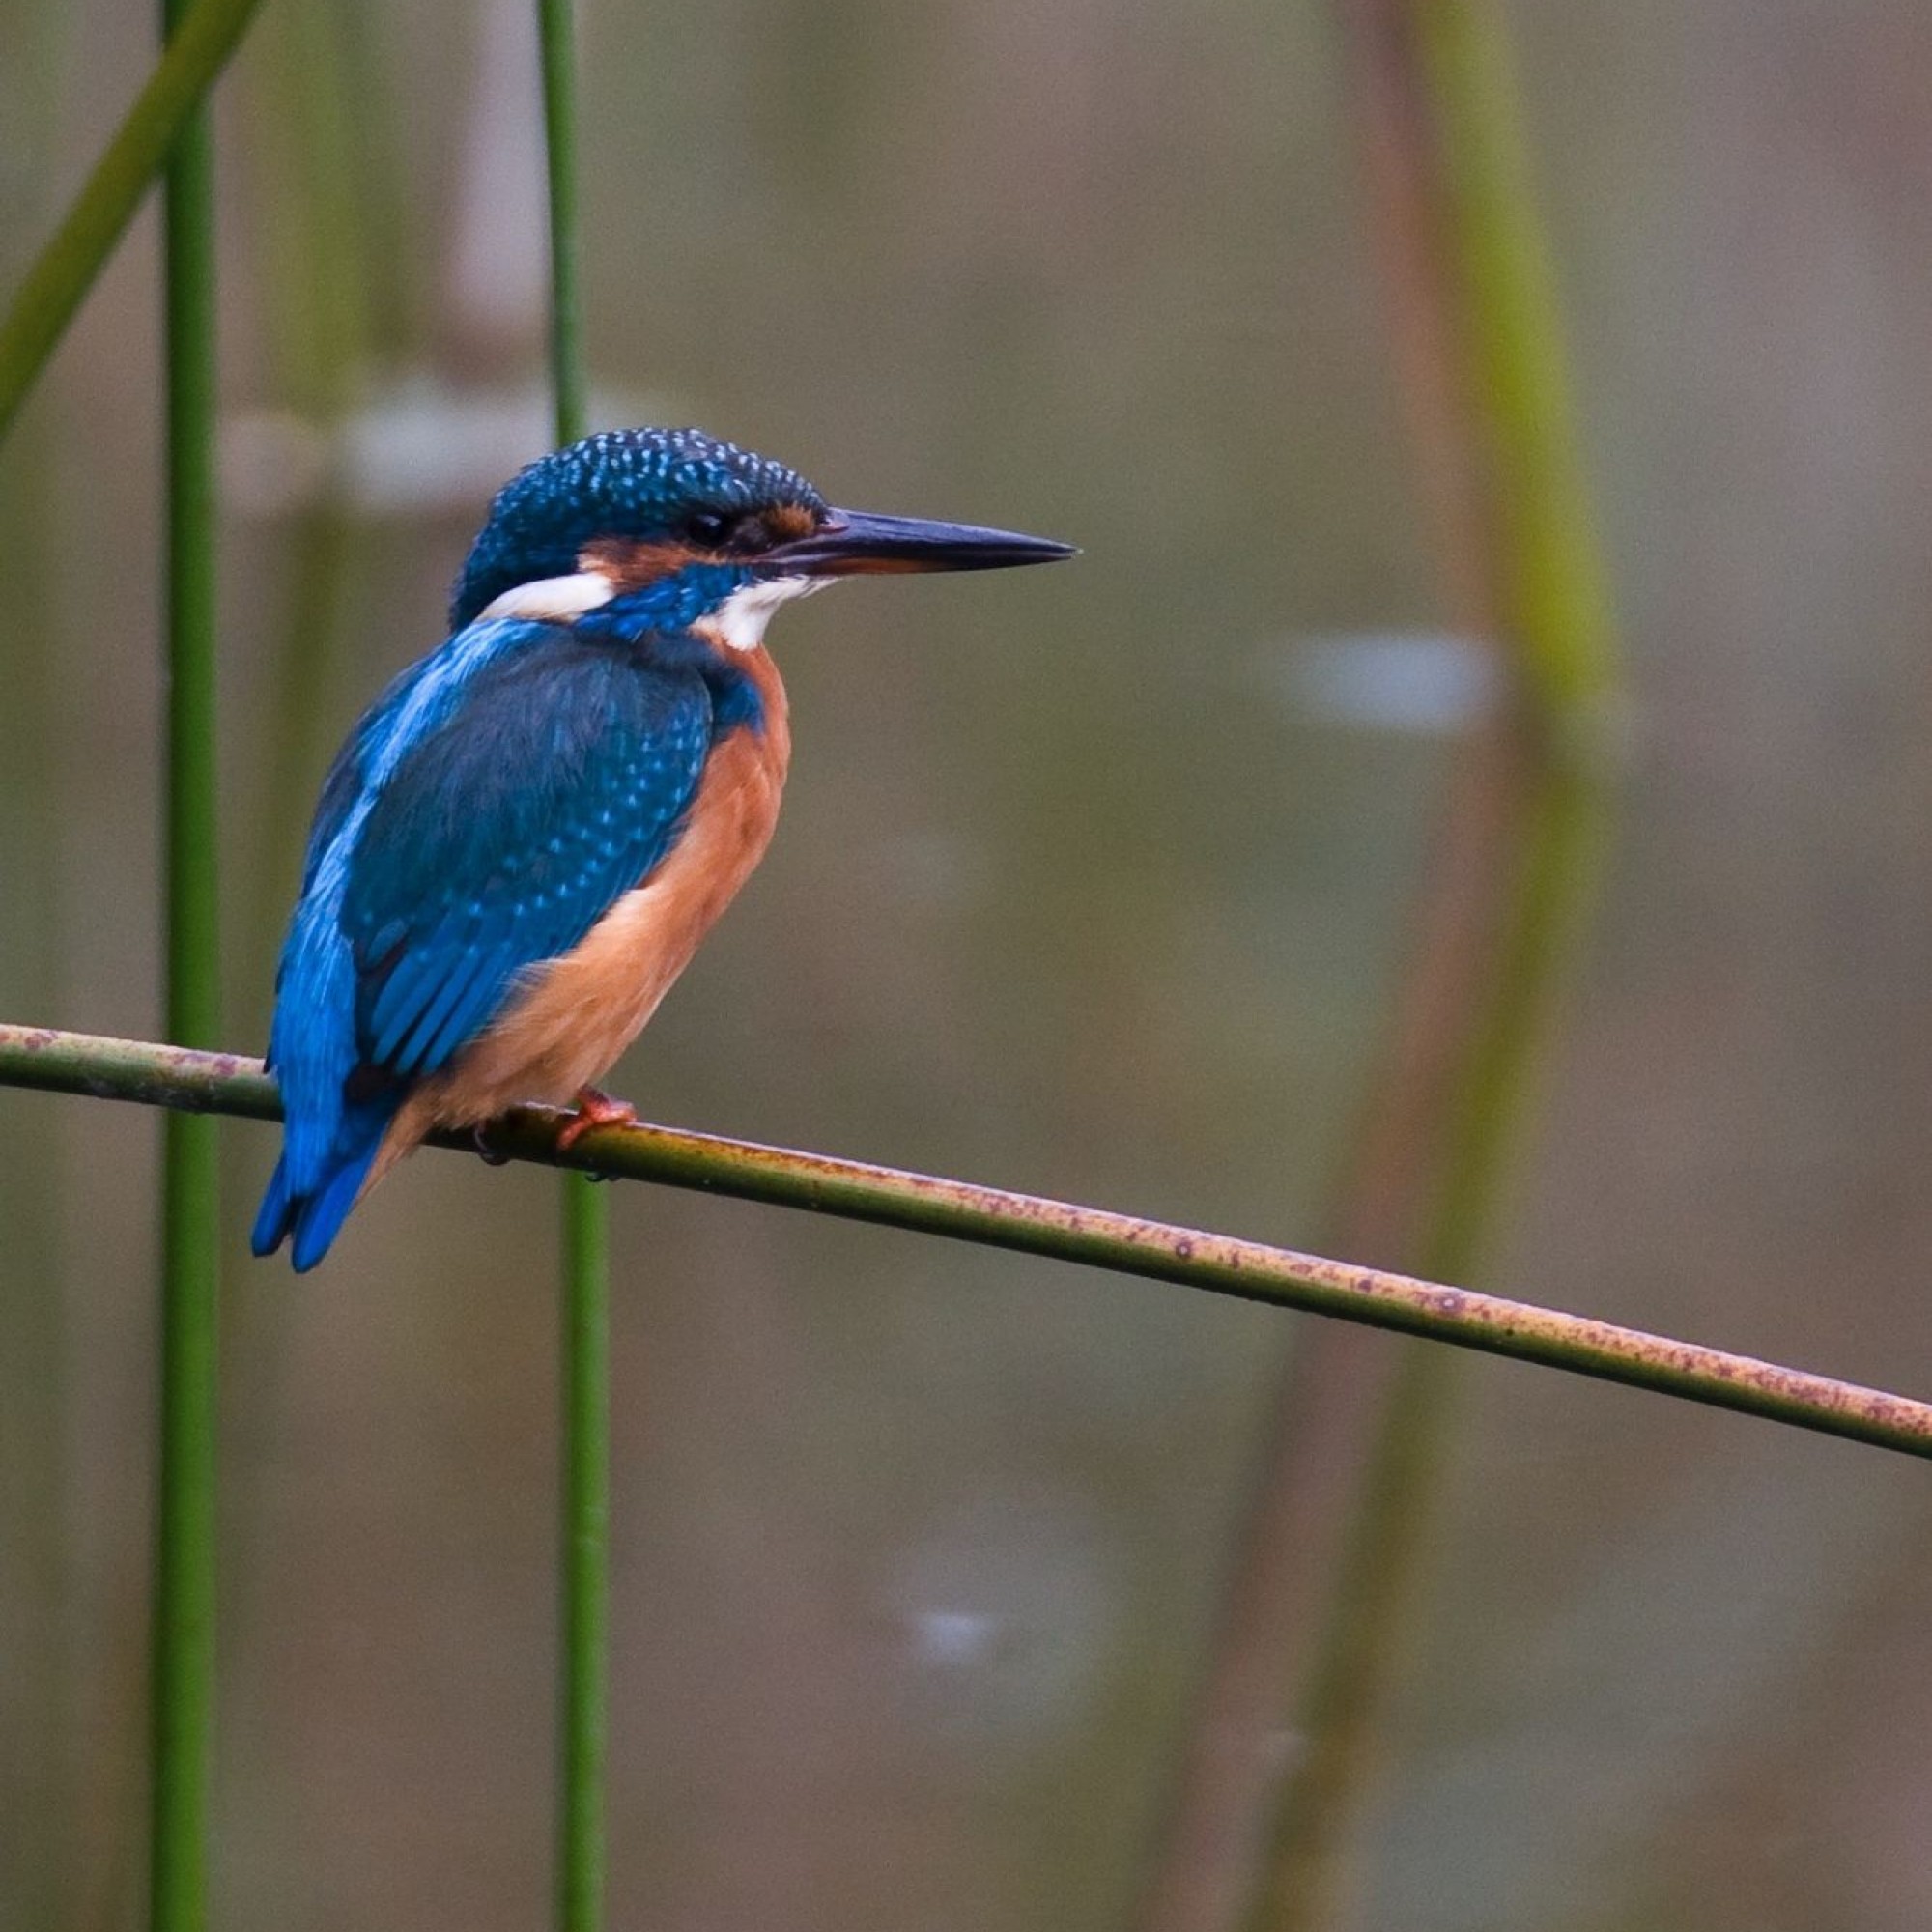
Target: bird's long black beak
{"x":853,"y":543}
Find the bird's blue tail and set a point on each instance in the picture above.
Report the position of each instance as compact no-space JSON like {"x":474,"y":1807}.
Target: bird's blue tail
{"x":314,"y":1216}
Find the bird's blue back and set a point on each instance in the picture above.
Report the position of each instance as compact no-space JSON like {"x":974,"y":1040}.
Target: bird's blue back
{"x":494,"y":803}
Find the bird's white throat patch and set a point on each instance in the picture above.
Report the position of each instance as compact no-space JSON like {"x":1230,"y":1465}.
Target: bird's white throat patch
{"x":739,"y":622}
{"x":554,"y":597}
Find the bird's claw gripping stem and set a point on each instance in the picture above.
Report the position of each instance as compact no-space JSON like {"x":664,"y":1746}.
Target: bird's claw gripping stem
{"x":593,"y":1110}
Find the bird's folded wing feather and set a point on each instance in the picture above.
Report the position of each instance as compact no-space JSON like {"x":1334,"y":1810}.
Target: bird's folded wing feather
{"x":555,"y":782}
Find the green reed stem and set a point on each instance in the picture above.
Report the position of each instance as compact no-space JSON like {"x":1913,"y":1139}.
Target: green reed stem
{"x":583,"y":1685}
{"x":584,"y":1610}
{"x":1546,"y":565}
{"x":60,"y":278}
{"x":167,"y":1076}
{"x":183,"y":1682}
{"x":569,"y":385}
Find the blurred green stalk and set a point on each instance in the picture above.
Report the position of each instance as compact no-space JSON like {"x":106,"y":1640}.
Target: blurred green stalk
{"x":585,"y":1556}
{"x":325,"y":251}
{"x":1342,"y":1702}
{"x":39,"y":1786}
{"x":1551,"y":587}
{"x":45,"y":303}
{"x":568,"y":385}
{"x":40,"y":1701}
{"x":1441,"y":95}
{"x":183,"y":1684}
{"x":584,"y":1610}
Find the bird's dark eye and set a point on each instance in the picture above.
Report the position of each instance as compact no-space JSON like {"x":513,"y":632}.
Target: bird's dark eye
{"x":709,"y":528}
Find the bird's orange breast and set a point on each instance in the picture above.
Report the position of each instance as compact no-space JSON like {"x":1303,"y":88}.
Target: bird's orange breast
{"x":581,"y":1011}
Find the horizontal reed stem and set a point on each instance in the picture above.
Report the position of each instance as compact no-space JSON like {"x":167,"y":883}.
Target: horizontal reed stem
{"x":223,"y":1083}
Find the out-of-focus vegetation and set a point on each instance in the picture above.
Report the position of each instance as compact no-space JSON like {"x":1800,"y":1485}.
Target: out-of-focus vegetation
{"x":1092,"y":882}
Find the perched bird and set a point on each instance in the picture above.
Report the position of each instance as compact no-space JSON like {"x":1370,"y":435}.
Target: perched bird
{"x":523,"y":840}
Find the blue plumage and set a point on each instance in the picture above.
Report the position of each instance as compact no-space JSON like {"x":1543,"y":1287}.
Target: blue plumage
{"x":314,"y":1217}
{"x":504,"y":793}
{"x":618,"y":483}
{"x":501,"y":838}
{"x":497,"y":801}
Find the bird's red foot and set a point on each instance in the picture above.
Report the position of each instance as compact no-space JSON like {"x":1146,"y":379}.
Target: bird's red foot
{"x":593,"y":1110}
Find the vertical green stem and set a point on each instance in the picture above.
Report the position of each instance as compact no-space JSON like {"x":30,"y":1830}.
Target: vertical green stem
{"x":183,"y":1610}
{"x":568,"y":387}
{"x":1439,"y":83}
{"x":584,"y":1610}
{"x":586,"y":1554}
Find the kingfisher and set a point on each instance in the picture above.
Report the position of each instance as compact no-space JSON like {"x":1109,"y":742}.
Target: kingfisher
{"x":524,"y":839}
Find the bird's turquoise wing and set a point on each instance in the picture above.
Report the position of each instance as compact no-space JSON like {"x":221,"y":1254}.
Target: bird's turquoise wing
{"x":504,"y":835}
{"x":496,"y":802}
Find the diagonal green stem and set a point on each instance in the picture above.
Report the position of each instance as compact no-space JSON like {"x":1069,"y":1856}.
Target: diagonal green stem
{"x":46,"y":301}
{"x":585,"y":1607}
{"x":167,"y":1076}
{"x":183,"y":1682}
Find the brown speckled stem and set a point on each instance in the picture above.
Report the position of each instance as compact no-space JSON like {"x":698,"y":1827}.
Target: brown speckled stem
{"x":223,"y":1083}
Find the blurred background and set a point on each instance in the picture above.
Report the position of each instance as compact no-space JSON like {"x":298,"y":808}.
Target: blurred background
{"x":1094,"y":882}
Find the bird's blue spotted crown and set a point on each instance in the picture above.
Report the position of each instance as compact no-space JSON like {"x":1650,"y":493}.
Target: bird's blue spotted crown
{"x":624,"y":483}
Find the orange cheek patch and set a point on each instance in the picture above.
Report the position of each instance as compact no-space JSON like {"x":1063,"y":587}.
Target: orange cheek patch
{"x":631,"y":565}
{"x":789,"y":522}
